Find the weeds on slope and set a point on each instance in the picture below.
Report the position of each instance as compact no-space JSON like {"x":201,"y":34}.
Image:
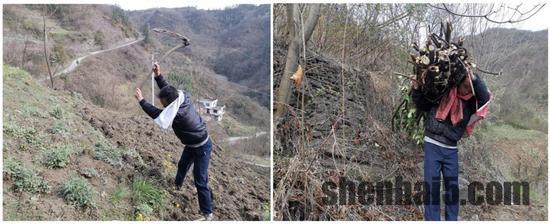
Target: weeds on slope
{"x":24,"y":178}
{"x":78,"y":191}
{"x":59,"y":156}
{"x":147,"y":198}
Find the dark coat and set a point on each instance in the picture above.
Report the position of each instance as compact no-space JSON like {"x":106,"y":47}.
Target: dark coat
{"x":444,"y":131}
{"x":187,"y":125}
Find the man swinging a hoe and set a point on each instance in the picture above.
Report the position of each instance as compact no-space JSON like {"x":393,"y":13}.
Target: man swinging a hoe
{"x":189,"y":127}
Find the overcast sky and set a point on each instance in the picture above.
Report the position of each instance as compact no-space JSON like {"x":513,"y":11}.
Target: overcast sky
{"x":202,"y":4}
{"x":537,"y":22}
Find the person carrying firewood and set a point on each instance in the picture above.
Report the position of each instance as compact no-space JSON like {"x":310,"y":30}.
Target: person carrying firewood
{"x":446,"y":122}
{"x":190,"y":128}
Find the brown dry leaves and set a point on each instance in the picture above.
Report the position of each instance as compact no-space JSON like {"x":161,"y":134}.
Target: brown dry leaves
{"x":297,"y":77}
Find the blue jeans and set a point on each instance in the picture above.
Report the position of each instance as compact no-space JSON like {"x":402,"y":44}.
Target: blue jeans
{"x":200,"y":157}
{"x":439,"y":160}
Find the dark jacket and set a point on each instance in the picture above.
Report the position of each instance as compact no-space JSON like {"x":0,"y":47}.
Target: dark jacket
{"x":188,"y":124}
{"x":443,"y":131}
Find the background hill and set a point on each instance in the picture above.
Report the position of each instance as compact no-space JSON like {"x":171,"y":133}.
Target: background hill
{"x":522,"y":89}
{"x":234,"y":42}
{"x":90,"y":130}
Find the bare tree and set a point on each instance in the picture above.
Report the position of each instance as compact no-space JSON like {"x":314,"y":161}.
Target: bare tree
{"x":45,"y":44}
{"x":298,"y":35}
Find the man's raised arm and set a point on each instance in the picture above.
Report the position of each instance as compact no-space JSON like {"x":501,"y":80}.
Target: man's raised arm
{"x":151,"y":110}
{"x":161,"y":82}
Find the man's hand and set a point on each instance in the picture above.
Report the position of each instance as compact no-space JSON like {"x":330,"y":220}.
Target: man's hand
{"x":138,"y":94}
{"x":156,"y":69}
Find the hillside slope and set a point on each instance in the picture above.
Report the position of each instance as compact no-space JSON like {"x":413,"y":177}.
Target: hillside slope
{"x":52,"y":137}
{"x":72,"y":29}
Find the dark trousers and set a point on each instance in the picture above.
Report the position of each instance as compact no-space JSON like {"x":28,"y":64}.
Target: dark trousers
{"x":200,"y":157}
{"x":439,"y":160}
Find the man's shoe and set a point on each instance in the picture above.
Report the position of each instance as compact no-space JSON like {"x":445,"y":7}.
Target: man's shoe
{"x":178,"y":187}
{"x":208,"y":217}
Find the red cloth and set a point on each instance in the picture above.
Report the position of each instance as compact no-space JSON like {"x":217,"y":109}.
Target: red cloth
{"x":452,"y":105}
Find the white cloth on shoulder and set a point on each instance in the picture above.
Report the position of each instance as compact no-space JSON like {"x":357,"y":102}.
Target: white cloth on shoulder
{"x":166,"y":117}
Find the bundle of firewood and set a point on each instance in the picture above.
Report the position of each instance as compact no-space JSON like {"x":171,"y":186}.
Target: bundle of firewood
{"x":441,"y":64}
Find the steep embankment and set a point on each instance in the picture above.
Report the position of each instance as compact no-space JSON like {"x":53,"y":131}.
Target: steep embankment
{"x":357,"y":144}
{"x":66,"y":159}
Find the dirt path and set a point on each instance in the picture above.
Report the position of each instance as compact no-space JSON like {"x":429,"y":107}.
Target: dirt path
{"x":250,"y":159}
{"x":232,"y":140}
{"x":257,"y":164}
{"x":76,"y":62}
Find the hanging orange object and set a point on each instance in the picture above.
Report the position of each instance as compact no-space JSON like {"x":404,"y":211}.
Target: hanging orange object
{"x":297,"y":77}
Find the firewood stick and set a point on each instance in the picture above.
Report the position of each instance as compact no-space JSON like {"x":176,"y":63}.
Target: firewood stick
{"x":488,"y":72}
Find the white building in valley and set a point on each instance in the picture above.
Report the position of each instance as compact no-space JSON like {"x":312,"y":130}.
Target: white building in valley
{"x":211,"y":108}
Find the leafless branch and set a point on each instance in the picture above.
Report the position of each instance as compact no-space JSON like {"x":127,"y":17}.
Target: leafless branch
{"x":487,"y":16}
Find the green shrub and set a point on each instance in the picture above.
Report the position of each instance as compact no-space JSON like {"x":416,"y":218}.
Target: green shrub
{"x":99,"y":38}
{"x":10,"y":129}
{"x":58,"y":157}
{"x":181,"y":81}
{"x":89,"y":172}
{"x":78,"y":191}
{"x":57,"y":112}
{"x":407,"y":118}
{"x":132,"y":153}
{"x":25,"y":179}
{"x":14,"y":72}
{"x":30,"y":135}
{"x":145,"y":193}
{"x":120,"y":193}
{"x":144,"y":209}
{"x":31,"y":111}
{"x":266,"y":211}
{"x":59,"y":55}
{"x":107,"y":153}
{"x":59,"y":128}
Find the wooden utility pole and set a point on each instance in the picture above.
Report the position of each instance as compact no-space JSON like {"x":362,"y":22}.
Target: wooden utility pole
{"x":46,"y":47}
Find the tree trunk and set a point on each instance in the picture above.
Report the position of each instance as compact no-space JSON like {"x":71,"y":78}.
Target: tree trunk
{"x":45,"y":46}
{"x":293,"y":53}
{"x":290,"y":25}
